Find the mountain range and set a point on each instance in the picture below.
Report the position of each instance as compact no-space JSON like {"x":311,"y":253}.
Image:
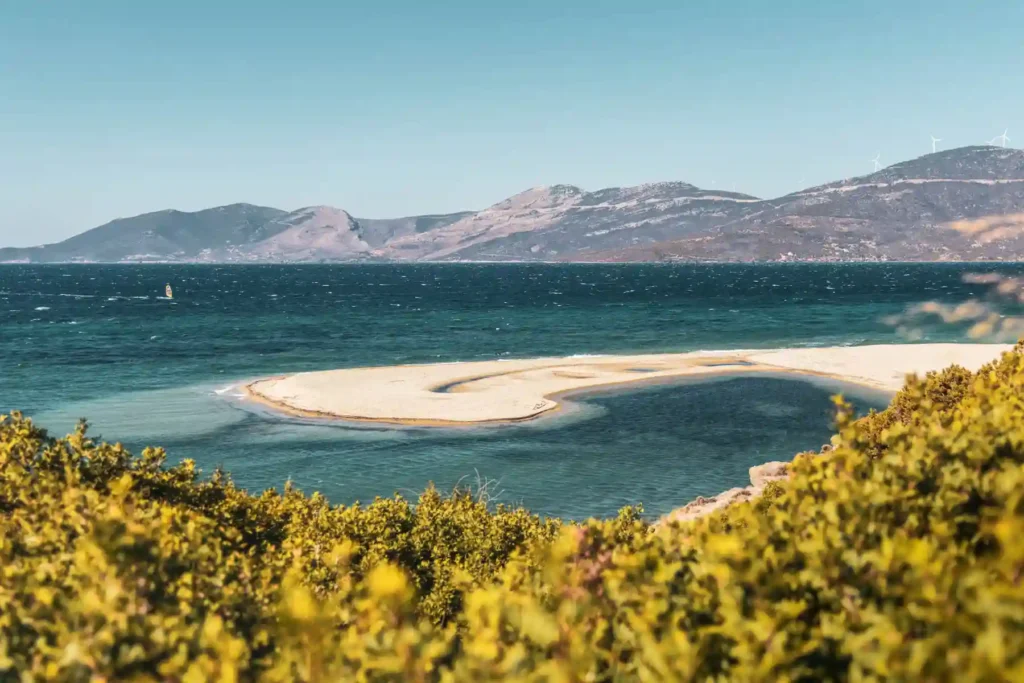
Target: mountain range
{"x":962,"y":204}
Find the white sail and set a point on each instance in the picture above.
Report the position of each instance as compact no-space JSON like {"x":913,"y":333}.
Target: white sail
{"x":167,"y":290}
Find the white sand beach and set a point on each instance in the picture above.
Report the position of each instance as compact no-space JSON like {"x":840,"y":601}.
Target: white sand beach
{"x":515,"y":390}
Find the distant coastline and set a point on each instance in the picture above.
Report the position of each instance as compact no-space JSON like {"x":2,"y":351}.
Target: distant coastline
{"x":962,"y":204}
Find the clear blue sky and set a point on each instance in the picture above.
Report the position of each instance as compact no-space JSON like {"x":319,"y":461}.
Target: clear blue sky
{"x":391,"y":108}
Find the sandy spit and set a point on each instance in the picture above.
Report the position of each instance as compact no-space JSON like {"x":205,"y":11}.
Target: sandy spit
{"x":515,"y":390}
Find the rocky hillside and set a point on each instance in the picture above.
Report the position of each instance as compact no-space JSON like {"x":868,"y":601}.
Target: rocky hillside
{"x":558,"y":222}
{"x":380,"y":231}
{"x":960,"y":204}
{"x":161,"y":235}
{"x":311,"y":233}
{"x":931,"y":208}
{"x":235,"y":233}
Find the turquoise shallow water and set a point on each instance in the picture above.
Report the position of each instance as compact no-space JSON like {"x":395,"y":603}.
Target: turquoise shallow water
{"x":99,"y":342}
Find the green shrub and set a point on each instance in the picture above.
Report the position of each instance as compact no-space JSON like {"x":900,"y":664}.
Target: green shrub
{"x":919,"y":399}
{"x":896,"y":556}
{"x":922,"y":398}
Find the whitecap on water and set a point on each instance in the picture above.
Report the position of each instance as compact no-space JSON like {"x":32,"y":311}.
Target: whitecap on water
{"x":42,"y":308}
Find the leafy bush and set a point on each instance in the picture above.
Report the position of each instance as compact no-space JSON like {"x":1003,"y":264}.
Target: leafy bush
{"x":896,"y":556}
{"x":919,"y":400}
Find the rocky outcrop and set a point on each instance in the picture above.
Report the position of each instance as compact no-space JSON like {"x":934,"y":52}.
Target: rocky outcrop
{"x":770,"y":471}
{"x":702,"y":506}
{"x":760,"y":477}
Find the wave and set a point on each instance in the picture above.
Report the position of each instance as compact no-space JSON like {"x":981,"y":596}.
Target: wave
{"x":42,"y":308}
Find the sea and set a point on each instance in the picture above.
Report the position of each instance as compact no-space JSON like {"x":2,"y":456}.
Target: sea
{"x":101,"y":342}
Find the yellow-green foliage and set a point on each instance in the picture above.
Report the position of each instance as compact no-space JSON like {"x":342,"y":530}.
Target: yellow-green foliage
{"x":897,"y":556}
{"x":937,"y":391}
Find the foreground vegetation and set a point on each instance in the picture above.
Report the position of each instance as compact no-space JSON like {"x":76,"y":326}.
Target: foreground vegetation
{"x":897,"y":556}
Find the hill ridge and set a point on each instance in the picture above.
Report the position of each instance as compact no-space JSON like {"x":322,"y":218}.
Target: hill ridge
{"x":901,"y":212}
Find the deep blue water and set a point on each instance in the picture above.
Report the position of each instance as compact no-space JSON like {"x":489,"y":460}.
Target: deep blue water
{"x":98,"y":342}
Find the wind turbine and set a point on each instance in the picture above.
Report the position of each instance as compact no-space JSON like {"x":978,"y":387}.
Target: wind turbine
{"x":875,"y":161}
{"x":934,"y":140}
{"x":1004,"y":137}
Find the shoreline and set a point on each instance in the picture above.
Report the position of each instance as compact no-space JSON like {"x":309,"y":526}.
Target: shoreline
{"x":511,"y":391}
{"x":556,"y":408}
